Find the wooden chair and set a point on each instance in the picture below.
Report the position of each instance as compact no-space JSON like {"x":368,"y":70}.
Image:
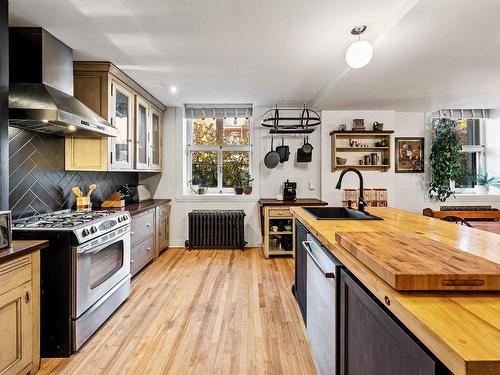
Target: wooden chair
{"x":456,"y":220}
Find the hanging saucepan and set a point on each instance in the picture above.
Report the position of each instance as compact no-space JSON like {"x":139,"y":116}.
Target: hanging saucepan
{"x":307,"y":147}
{"x":283,"y":151}
{"x":272,"y":158}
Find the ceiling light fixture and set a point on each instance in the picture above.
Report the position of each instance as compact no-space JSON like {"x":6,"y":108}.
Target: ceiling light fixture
{"x":173,"y":89}
{"x":359,"y":53}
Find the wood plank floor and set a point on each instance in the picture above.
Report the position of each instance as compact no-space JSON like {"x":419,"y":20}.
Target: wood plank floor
{"x":201,"y":312}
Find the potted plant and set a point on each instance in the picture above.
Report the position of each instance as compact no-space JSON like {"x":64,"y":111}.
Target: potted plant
{"x":484,"y":181}
{"x":445,"y":158}
{"x":239,"y":182}
{"x":247,"y":182}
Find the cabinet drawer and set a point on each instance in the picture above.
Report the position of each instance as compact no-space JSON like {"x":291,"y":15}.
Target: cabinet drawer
{"x":14,"y":273}
{"x":141,"y":254}
{"x":142,"y":226}
{"x":282,"y":212}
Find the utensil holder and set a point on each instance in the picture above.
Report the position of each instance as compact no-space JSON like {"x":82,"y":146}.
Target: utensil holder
{"x":83,"y":204}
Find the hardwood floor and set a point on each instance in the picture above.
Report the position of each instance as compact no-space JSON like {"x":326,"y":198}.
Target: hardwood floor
{"x":201,"y":312}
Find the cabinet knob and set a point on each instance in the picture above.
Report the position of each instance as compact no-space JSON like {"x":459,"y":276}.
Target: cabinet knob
{"x":387,"y":301}
{"x":148,"y":249}
{"x":27,"y":297}
{"x":131,"y":261}
{"x":148,"y":225}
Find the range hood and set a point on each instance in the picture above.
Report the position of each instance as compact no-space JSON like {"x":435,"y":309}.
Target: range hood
{"x":41,"y":88}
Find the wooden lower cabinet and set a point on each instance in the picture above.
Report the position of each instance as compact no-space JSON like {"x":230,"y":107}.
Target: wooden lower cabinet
{"x":162,"y":227}
{"x":372,"y":342}
{"x":19,"y":315}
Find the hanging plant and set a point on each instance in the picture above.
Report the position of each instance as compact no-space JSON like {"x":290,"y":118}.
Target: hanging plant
{"x":445,"y":158}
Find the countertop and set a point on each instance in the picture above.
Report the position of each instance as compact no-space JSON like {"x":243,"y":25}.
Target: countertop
{"x":298,"y":202}
{"x":462,"y":329}
{"x":135,"y":208}
{"x":20,"y":248}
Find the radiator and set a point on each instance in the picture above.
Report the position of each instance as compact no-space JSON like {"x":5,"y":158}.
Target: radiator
{"x":216,"y":229}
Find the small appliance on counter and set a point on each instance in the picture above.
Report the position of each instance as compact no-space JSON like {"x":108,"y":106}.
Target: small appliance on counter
{"x":289,"y":191}
{"x":135,"y":194}
{"x":5,"y":229}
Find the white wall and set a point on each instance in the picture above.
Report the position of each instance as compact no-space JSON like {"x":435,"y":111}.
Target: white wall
{"x":267,"y":182}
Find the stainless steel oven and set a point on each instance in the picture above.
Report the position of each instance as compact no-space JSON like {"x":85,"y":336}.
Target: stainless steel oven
{"x":98,"y":266}
{"x":101,"y":282}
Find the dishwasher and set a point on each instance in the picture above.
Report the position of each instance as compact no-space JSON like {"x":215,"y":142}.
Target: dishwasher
{"x":322,"y":306}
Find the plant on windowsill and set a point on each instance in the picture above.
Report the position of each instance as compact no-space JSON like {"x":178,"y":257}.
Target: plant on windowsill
{"x":445,"y":158}
{"x":247,"y":182}
{"x":484,"y":181}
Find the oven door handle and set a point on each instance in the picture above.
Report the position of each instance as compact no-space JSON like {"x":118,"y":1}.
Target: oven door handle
{"x":101,"y":246}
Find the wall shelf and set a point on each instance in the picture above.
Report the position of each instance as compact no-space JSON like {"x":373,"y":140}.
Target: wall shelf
{"x":341,"y":148}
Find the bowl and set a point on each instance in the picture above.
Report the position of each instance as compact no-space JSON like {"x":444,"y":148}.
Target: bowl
{"x":341,"y":161}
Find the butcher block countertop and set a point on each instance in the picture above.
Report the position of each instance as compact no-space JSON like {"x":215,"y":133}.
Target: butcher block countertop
{"x":19,"y":248}
{"x":462,"y":329}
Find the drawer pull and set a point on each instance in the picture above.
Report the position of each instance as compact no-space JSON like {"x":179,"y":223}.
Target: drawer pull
{"x":27,"y":297}
{"x":148,"y":225}
{"x":148,"y":249}
{"x":131,"y":233}
{"x":387,"y":301}
{"x":131,"y":261}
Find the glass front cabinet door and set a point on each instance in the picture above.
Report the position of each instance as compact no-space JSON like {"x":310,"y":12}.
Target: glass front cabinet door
{"x":122,"y":118}
{"x":142,"y":133}
{"x":155,"y":140}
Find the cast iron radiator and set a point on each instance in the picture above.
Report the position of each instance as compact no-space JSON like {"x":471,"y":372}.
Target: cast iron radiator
{"x":216,"y":229}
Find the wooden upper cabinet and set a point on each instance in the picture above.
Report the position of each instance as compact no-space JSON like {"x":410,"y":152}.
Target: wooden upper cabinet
{"x":122,"y":118}
{"x":120,"y":100}
{"x":155,"y":147}
{"x":142,"y":132}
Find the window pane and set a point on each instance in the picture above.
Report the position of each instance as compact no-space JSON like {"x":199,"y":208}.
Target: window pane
{"x":204,"y":168}
{"x":204,"y":131}
{"x":468,"y":131}
{"x":469,"y":161}
{"x":235,"y":167}
{"x":236,"y":131}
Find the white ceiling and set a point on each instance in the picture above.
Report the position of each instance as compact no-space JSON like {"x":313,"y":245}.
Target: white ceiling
{"x":427,"y":54}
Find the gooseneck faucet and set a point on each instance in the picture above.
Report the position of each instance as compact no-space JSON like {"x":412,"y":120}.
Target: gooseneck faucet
{"x":361,"y":200}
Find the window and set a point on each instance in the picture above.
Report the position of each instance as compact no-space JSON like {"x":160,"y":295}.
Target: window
{"x":218,"y":153}
{"x":471,"y":133}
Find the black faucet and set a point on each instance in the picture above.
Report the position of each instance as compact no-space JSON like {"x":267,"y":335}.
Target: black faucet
{"x":361,"y":200}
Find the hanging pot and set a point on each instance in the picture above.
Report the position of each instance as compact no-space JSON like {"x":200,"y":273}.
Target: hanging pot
{"x":283,"y":151}
{"x":303,"y":157}
{"x":307,"y":147}
{"x":272,"y":158}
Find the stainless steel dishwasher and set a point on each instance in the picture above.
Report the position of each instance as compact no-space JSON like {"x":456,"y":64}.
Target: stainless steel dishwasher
{"x":322,"y":305}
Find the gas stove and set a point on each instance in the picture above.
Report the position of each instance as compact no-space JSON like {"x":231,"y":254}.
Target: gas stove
{"x":85,"y":225}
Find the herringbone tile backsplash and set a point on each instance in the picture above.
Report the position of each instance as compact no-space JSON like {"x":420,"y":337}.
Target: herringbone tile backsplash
{"x":38,"y":182}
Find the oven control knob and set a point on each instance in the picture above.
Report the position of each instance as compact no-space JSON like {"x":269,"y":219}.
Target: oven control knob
{"x":120,"y":219}
{"x":93,"y":229}
{"x":85,"y":232}
{"x":125,"y":217}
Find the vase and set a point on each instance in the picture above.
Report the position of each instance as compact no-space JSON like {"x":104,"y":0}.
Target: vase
{"x":238,"y":190}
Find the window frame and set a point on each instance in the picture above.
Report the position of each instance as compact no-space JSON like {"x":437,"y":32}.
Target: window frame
{"x":219,"y":150}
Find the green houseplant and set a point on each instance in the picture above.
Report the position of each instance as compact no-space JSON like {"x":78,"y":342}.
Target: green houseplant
{"x":445,"y":158}
{"x":247,"y":182}
{"x":484,"y":181}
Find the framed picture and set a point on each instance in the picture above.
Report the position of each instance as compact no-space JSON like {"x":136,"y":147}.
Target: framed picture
{"x":409,"y":154}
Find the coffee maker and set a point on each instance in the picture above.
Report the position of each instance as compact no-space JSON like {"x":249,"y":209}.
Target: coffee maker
{"x":289,"y":191}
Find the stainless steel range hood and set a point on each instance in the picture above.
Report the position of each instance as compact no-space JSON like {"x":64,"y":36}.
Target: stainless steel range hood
{"x":41,"y":88}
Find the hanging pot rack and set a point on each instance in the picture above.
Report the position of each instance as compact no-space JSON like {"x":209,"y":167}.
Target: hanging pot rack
{"x":286,"y":121}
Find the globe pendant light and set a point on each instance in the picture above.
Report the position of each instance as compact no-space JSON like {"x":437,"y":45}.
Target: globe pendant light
{"x":359,"y":53}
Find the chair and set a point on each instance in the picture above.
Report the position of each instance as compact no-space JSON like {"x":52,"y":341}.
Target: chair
{"x":456,"y":220}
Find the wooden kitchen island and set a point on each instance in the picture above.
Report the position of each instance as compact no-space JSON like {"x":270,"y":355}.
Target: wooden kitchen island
{"x":461,"y":329}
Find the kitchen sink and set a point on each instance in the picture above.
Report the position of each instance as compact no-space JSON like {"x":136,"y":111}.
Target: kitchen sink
{"x":339,"y":213}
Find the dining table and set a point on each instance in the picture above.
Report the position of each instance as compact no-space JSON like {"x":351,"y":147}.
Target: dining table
{"x":489,"y":226}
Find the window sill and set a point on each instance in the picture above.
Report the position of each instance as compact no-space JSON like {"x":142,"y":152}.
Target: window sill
{"x":217,"y":198}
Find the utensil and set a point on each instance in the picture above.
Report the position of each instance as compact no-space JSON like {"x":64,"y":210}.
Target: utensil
{"x":303,"y":157}
{"x":283,"y":151}
{"x":307,"y":147}
{"x":272,"y":158}
{"x":77,"y":191}
{"x":92,"y":187}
